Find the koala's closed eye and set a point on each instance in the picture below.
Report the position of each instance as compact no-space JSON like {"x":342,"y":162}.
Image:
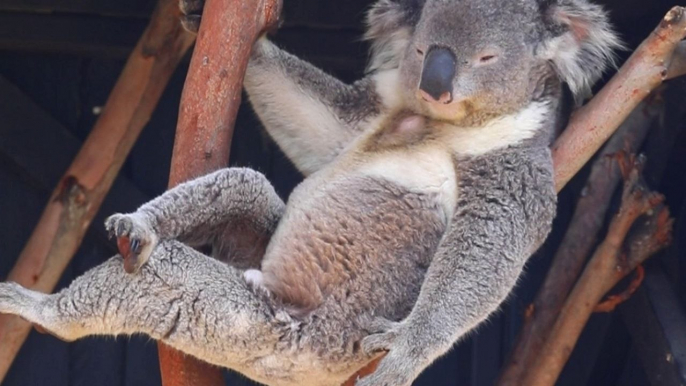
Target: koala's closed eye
{"x":490,"y":56}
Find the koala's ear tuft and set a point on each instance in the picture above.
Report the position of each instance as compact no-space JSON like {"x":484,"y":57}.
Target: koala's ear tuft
{"x":389,"y":26}
{"x":580,"y":42}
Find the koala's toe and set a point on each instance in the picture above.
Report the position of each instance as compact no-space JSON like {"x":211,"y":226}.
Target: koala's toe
{"x":119,"y":225}
{"x":191,"y":7}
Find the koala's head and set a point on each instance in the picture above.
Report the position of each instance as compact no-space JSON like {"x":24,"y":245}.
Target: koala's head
{"x":469,"y":60}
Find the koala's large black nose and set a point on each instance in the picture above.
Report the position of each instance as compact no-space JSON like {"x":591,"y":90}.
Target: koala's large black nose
{"x":438,"y":74}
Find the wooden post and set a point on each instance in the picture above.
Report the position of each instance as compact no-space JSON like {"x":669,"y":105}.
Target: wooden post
{"x":209,"y":104}
{"x":78,"y":195}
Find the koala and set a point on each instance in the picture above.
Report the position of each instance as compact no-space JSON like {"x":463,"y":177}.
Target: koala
{"x":429,"y":183}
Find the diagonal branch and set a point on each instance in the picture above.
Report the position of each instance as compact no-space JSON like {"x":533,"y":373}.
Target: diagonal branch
{"x":77,"y":197}
{"x":659,"y":57}
{"x":595,"y":122}
{"x":581,"y":236}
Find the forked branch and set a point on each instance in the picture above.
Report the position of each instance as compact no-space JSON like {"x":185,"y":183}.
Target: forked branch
{"x":626,"y":246}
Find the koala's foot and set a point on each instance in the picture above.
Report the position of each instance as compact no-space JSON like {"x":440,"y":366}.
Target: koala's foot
{"x":191,"y":14}
{"x":27,"y":304}
{"x":135,"y":239}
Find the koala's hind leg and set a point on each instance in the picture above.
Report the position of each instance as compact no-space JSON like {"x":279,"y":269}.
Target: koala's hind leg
{"x":208,"y":210}
{"x":188,"y":300}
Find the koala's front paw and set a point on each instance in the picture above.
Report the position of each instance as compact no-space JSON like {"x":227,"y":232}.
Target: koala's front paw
{"x":393,"y":370}
{"x":135,"y":239}
{"x":382,"y":334}
{"x":191,"y":14}
{"x":401,"y":365}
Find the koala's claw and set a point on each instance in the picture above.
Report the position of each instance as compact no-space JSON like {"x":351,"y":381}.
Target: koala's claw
{"x":383,"y":333}
{"x":191,"y":23}
{"x":135,"y":239}
{"x":393,"y":370}
{"x":192,"y":11}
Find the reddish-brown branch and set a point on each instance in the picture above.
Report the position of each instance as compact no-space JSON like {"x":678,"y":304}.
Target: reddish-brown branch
{"x":209,"y":104}
{"x":79,"y":194}
{"x":580,"y":238}
{"x":603,"y":272}
{"x":595,"y":122}
{"x":588,"y":129}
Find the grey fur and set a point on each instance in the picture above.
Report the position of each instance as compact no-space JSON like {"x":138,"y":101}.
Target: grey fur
{"x":413,"y":226}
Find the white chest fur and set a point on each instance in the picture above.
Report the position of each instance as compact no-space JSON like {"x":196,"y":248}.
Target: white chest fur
{"x":429,"y":167}
{"x":501,"y":132}
{"x":429,"y":170}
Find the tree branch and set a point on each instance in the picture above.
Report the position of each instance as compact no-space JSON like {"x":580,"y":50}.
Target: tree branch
{"x":209,"y":104}
{"x":658,"y":58}
{"x":609,"y":265}
{"x":78,"y":195}
{"x":595,"y":122}
{"x":581,"y":236}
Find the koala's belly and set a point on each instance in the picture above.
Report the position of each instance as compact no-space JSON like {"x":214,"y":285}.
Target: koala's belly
{"x":356,"y":242}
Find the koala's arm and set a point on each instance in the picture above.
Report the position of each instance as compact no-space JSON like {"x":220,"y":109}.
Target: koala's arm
{"x":503,"y":214}
{"x":311,"y":115}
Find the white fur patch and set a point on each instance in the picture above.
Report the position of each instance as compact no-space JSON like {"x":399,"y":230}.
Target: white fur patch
{"x":253,"y":277}
{"x":581,"y":55}
{"x":387,"y":87}
{"x":427,"y":171}
{"x":388,"y":50}
{"x":498,"y":133}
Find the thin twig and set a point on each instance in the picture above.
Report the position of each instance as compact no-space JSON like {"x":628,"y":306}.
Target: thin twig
{"x":612,"y":301}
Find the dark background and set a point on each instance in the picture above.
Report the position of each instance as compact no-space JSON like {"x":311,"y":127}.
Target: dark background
{"x":60,"y":58}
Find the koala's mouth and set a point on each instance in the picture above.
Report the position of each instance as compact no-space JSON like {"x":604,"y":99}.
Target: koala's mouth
{"x":453,"y":111}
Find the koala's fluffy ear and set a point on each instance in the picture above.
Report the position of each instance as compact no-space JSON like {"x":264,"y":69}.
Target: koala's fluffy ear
{"x":580,"y":42}
{"x":389,"y":26}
